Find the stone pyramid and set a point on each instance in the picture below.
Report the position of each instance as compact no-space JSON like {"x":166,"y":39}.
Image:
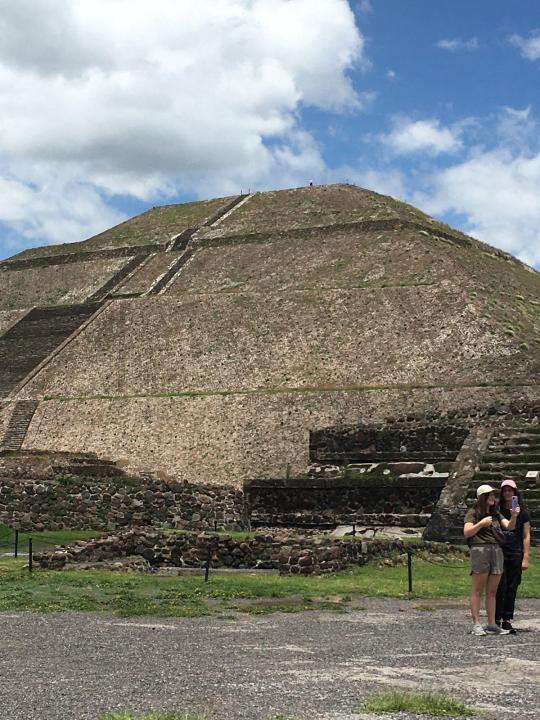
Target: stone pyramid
{"x":209,"y":341}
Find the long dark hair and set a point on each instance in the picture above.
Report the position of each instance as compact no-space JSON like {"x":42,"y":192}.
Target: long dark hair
{"x":515,"y":491}
{"x":481,"y":509}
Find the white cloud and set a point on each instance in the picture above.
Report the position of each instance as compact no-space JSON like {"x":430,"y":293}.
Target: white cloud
{"x":130,"y":97}
{"x":498,"y":193}
{"x":427,"y":136}
{"x":63,"y":211}
{"x":459,"y":44}
{"x":530,"y":47}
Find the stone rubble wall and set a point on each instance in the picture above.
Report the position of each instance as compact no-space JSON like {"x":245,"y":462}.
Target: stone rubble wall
{"x":426,"y":434}
{"x":72,"y":503}
{"x":120,"y":502}
{"x":336,"y":503}
{"x":290,"y":554}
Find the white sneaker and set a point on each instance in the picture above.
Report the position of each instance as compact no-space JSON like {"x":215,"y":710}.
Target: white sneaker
{"x":495,"y":630}
{"x":478,"y":630}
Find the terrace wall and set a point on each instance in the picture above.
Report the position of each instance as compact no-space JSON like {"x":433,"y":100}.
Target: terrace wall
{"x":8,"y":318}
{"x":62,"y":284}
{"x":228,"y":439}
{"x":240,"y":342}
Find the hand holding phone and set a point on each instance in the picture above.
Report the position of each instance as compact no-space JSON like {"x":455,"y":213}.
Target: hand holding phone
{"x":515,"y":502}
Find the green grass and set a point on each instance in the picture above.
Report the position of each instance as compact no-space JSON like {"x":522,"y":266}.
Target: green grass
{"x":42,"y":540}
{"x":434,"y":704}
{"x":137,"y":594}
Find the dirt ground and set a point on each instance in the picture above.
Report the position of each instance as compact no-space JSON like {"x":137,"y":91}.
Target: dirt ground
{"x":304,"y":665}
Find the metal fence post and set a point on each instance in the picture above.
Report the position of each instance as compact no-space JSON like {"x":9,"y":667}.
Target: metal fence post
{"x":16,"y":543}
{"x":409,"y":568}
{"x":208,"y":561}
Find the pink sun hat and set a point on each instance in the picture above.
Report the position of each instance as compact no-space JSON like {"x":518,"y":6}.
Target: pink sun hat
{"x":509,"y":483}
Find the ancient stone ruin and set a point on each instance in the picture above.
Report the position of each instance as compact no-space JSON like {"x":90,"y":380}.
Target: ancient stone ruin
{"x":307,"y":358}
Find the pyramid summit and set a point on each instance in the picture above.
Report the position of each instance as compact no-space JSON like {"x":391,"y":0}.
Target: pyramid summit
{"x":211,"y":341}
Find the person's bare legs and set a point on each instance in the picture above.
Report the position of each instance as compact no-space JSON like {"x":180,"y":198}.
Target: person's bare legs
{"x":491,"y":597}
{"x":479,"y":581}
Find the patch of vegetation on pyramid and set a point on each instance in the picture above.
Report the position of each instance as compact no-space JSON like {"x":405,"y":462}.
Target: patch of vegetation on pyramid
{"x":153,"y":227}
{"x":221,"y":347}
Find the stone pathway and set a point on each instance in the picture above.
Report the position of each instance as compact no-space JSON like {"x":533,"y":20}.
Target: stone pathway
{"x":307,"y":665}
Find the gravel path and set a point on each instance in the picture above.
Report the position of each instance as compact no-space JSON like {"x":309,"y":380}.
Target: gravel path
{"x":306,"y":665}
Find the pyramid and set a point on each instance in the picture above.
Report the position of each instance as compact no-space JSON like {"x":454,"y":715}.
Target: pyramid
{"x":209,"y":341}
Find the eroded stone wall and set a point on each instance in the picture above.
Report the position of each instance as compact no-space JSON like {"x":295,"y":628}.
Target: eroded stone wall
{"x":290,"y":554}
{"x":75,"y":503}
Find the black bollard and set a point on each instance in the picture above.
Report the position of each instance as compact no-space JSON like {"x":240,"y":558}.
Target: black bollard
{"x":29,"y":554}
{"x":208,"y":561}
{"x":409,"y":568}
{"x":16,"y":543}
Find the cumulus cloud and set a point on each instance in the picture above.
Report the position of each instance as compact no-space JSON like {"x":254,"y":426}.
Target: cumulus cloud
{"x":459,"y":44}
{"x":529,"y":46}
{"x":498,"y":195}
{"x":427,"y":136}
{"x":495,"y":189}
{"x":128,"y":97}
{"x":57,"y":211}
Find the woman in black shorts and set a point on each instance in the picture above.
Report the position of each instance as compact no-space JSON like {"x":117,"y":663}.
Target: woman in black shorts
{"x":483,"y":530}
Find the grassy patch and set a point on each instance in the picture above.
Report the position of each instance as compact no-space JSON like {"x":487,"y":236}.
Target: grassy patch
{"x":434,"y":704}
{"x":42,"y":540}
{"x":132,"y":594}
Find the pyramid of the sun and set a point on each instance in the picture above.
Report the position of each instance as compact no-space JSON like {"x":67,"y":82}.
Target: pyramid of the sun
{"x":207,"y":340}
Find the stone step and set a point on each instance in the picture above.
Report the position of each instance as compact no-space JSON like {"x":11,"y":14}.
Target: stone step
{"x":18,"y":424}
{"x":511,"y":469}
{"x":34,"y":337}
{"x":517,"y":433}
{"x":497,"y":475}
{"x":513,"y":449}
{"x":526,"y":457}
{"x":356,"y":456}
{"x":413,"y":520}
{"x":531,"y":493}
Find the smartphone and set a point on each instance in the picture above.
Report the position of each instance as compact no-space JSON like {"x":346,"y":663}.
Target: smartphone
{"x":515,"y":502}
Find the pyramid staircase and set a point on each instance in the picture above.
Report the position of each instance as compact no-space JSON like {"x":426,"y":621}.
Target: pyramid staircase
{"x":27,"y":343}
{"x":118,"y":278}
{"x":512,"y":453}
{"x":18,"y":425}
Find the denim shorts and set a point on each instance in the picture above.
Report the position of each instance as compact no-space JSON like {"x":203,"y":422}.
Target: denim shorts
{"x":487,"y":558}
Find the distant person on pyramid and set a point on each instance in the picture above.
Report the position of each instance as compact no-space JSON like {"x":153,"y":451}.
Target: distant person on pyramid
{"x":516,"y":553}
{"x":483,"y":529}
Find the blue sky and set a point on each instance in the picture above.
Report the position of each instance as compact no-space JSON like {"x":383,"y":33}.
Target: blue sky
{"x":436,"y":102}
